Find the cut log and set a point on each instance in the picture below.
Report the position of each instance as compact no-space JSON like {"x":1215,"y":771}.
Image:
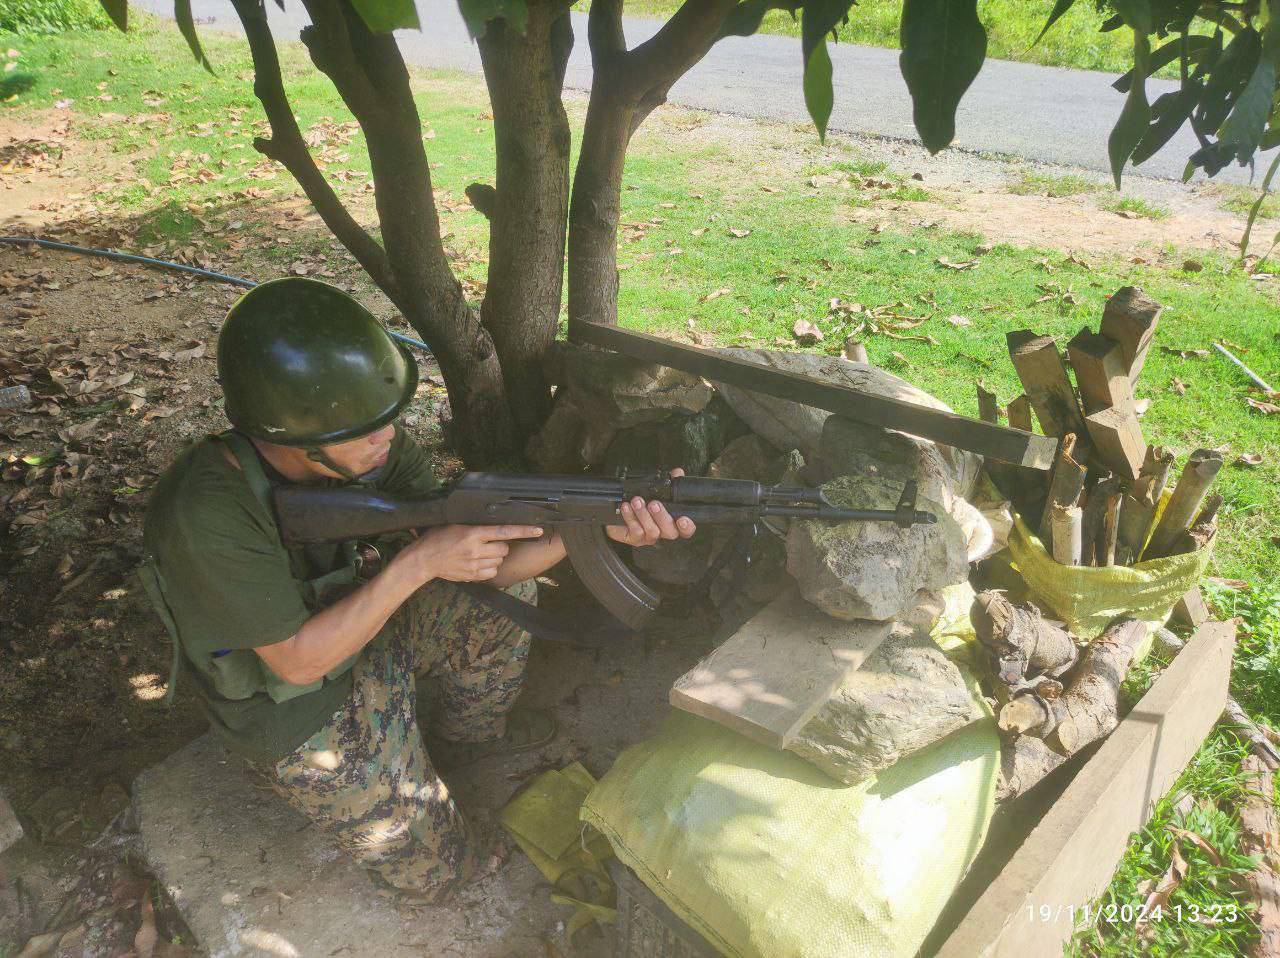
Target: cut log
{"x":1102,"y":372}
{"x":1201,"y":469}
{"x":1194,"y":539}
{"x":1066,"y":485}
{"x":1259,"y":744}
{"x":1091,"y":523}
{"x":1024,"y":762}
{"x":1117,"y":440}
{"x":1066,"y":534}
{"x":1044,"y":377}
{"x":1130,"y":318}
{"x":1209,"y":511}
{"x":1190,"y":611}
{"x":776,"y":671}
{"x":1260,"y":836}
{"x":1070,"y":857}
{"x":1138,"y":511}
{"x":1017,"y":639}
{"x":1020,"y":413}
{"x":1088,"y":706}
{"x":988,"y":405}
{"x":1110,"y":529}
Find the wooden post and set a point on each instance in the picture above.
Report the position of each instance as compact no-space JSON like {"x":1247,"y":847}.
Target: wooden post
{"x":1117,"y":439}
{"x":1102,"y":372}
{"x":1020,"y":413}
{"x":1066,"y":534}
{"x":1130,"y":318}
{"x":1066,"y":485}
{"x":988,"y":405}
{"x":1110,"y":529}
{"x":938,"y":425}
{"x":1193,"y":485}
{"x":1139,"y":508}
{"x":1094,"y":518}
{"x":1032,"y":906}
{"x":1044,"y":377}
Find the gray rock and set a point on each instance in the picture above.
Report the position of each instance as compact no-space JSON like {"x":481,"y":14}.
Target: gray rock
{"x":789,"y":424}
{"x":906,"y":696}
{"x":850,"y":448}
{"x":677,"y":561}
{"x":572,"y":438}
{"x":747,"y":457}
{"x":689,"y":442}
{"x":10,"y":827}
{"x":625,"y":391}
{"x":871,"y":570}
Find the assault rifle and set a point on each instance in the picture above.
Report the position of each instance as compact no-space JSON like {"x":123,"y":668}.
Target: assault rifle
{"x":580,"y":506}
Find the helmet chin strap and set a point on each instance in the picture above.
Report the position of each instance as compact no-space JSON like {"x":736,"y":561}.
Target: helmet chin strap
{"x":317,"y":454}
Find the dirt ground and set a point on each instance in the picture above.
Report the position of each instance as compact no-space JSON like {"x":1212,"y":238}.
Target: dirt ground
{"x":120,"y":361}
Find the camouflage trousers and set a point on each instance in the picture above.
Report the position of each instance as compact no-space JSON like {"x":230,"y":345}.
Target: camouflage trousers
{"x":366,"y":778}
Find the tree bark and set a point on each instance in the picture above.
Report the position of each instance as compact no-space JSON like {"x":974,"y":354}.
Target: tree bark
{"x":528,"y":212}
{"x":626,"y":87}
{"x":370,"y":74}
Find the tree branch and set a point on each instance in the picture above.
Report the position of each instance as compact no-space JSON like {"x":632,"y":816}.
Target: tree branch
{"x":287,"y":146}
{"x":329,"y":43}
{"x":604,"y":34}
{"x":682,"y":42}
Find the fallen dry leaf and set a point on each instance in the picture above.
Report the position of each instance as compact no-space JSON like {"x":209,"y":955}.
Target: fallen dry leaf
{"x":1249,"y":459}
{"x":739,"y":233}
{"x":1185,"y":353}
{"x":1266,"y":408}
{"x":959,"y":321}
{"x":806,"y":332}
{"x":1178,"y":386}
{"x":967,"y":264}
{"x":716,"y":294}
{"x":1159,"y":896}
{"x":1199,"y":841}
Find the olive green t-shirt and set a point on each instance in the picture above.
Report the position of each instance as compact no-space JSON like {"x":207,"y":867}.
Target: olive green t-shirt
{"x":231,"y":586}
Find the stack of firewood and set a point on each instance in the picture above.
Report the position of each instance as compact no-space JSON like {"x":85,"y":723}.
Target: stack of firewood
{"x":1099,"y":503}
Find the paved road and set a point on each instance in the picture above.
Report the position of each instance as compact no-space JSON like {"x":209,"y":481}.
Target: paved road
{"x":1041,"y":113}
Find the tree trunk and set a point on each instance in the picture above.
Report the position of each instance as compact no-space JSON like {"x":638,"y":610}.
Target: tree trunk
{"x":370,"y":74}
{"x":596,"y":205}
{"x":528,"y":211}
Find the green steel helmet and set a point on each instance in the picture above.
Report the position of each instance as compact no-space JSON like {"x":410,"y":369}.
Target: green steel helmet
{"x":303,"y":364}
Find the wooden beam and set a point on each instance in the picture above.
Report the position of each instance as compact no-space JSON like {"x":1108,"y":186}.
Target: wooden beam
{"x":1130,"y":318}
{"x":1183,"y":506}
{"x":986,"y":439}
{"x":1068,"y":859}
{"x":775,"y":672}
{"x":1020,"y":413}
{"x":1102,"y":373}
{"x":1044,"y":377}
{"x":1191,"y":611}
{"x":1066,"y":487}
{"x":1117,"y":440}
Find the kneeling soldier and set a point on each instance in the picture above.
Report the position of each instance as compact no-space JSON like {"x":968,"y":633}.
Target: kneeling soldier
{"x":306,"y":660}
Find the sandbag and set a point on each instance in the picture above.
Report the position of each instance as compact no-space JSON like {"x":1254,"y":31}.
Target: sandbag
{"x":1089,"y":598}
{"x":766,"y":856}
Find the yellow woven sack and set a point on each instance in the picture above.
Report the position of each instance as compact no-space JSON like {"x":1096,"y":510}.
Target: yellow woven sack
{"x":768,"y":858}
{"x":1089,"y":598}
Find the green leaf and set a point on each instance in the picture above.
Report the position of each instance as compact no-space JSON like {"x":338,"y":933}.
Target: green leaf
{"x":1132,"y":125}
{"x":383,"y":16}
{"x":943,"y":46}
{"x":187,"y":27}
{"x":1196,"y":47}
{"x":478,"y":13}
{"x":118,"y":11}
{"x":818,"y":18}
{"x":819,"y":97}
{"x":1059,"y":8}
{"x":1257,"y":205}
{"x":1244,"y":127}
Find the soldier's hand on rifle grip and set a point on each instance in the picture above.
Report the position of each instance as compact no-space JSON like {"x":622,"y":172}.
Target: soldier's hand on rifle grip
{"x":647,"y":522}
{"x":465,"y":553}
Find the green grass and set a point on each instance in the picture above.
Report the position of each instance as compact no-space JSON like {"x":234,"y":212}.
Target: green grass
{"x":1135,"y":206}
{"x":802,"y":248}
{"x":50,"y":16}
{"x":1012,"y":28}
{"x":1038,"y":183}
{"x":1240,"y":199}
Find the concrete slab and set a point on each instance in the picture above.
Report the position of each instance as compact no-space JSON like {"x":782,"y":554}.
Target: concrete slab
{"x":252,"y":877}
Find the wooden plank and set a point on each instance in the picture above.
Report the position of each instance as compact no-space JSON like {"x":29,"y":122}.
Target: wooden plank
{"x":1117,"y":440}
{"x":997,"y":442}
{"x":1069,"y":858}
{"x":1020,"y":413}
{"x":1044,"y":377}
{"x":775,"y":672}
{"x":1102,"y":373}
{"x":1130,"y":318}
{"x":1190,"y":611}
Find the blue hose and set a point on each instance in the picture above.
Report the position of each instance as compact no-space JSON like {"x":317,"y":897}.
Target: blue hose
{"x":166,"y":264}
